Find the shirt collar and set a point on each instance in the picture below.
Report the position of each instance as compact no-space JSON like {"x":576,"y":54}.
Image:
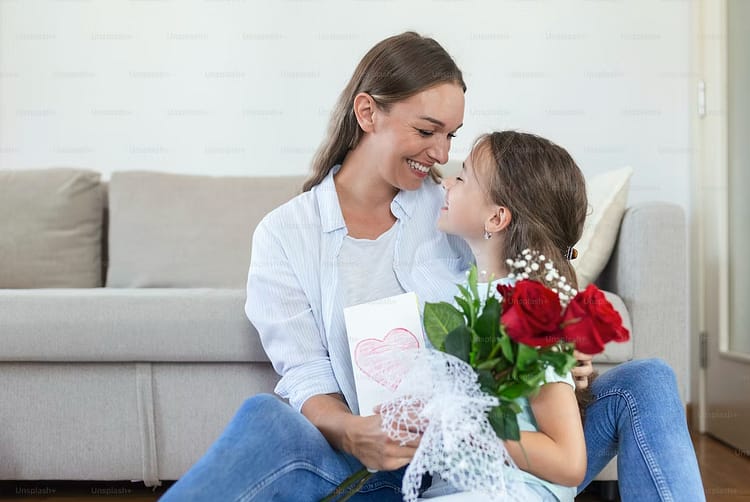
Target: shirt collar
{"x":403,"y":205}
{"x":405,"y":202}
{"x":328,"y":202}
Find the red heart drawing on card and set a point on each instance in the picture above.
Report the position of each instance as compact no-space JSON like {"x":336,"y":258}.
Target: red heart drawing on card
{"x":381,"y":359}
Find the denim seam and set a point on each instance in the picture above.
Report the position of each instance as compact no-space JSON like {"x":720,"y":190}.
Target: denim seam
{"x":653,"y":468}
{"x":252,"y":491}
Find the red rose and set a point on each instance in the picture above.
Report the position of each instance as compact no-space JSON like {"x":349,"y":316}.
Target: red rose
{"x":531,"y":313}
{"x":590,"y":321}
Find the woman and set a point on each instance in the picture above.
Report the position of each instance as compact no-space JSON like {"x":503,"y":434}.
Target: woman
{"x":363,"y":229}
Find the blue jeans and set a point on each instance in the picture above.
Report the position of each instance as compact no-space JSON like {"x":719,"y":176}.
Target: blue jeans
{"x":270,"y":452}
{"x":638,"y":416}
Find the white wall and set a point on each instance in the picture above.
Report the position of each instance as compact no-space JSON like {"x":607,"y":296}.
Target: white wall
{"x":244,"y":87}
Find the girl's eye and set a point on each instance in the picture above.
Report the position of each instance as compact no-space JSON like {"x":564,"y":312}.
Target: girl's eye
{"x":451,"y":136}
{"x":424,"y":132}
{"x":458,"y":178}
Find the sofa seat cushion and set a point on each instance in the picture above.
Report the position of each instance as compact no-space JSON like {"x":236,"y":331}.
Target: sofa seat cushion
{"x":101,"y":324}
{"x":156,"y":325}
{"x":617,"y":352}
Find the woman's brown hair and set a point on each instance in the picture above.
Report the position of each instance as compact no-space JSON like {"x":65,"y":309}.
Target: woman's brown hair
{"x":393,"y":70}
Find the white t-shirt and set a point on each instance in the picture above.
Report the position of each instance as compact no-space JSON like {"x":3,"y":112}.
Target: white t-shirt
{"x":366,"y":268}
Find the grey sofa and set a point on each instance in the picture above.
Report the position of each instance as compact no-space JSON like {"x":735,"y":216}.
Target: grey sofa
{"x":133,"y":375}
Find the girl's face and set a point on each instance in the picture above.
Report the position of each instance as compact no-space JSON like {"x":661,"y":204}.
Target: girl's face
{"x":467,"y":205}
{"x":416,"y":133}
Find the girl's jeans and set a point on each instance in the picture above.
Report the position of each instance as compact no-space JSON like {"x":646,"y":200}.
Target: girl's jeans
{"x":270,"y":452}
{"x":638,"y":416}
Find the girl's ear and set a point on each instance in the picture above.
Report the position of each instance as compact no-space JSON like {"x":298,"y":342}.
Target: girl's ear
{"x":364,"y":109}
{"x":499,"y":220}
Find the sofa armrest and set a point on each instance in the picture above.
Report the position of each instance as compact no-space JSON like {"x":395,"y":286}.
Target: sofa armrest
{"x":648,"y":270}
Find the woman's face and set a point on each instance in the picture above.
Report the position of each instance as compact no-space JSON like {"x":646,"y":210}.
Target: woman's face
{"x":416,"y":133}
{"x":467,"y":204}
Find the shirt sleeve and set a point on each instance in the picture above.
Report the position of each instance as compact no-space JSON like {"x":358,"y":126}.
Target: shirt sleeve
{"x":551,"y":376}
{"x":279,"y":308}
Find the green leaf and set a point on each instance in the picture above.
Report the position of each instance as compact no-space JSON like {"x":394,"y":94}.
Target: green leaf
{"x":515,"y":407}
{"x":486,"y":381}
{"x":505,"y":423}
{"x":488,"y":364}
{"x":439,"y":320}
{"x":526,"y":356}
{"x":561,"y":361}
{"x":466,"y":307}
{"x":487,"y":327}
{"x":534,"y":378}
{"x":458,"y":343}
{"x":515,"y":390}
{"x":465,"y":293}
{"x":506,"y":346}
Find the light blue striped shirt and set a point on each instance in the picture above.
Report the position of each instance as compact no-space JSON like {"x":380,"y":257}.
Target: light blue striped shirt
{"x":293,"y":295}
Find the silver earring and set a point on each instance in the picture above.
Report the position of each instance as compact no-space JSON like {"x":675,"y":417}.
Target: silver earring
{"x":487,"y":235}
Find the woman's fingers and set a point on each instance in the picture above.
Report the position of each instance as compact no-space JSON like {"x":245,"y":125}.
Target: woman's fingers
{"x":376,"y":450}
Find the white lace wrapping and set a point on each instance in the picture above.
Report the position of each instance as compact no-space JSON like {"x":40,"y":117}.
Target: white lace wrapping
{"x":440,"y":396}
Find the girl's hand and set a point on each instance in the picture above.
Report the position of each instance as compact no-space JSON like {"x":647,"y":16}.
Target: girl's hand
{"x":583,"y":371}
{"x":364,"y":438}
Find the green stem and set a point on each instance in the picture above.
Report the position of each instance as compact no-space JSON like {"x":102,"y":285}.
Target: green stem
{"x":502,"y":374}
{"x":349,"y":487}
{"x":495,"y":349}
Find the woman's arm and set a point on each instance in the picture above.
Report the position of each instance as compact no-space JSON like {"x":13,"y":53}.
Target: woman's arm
{"x":557,"y":452}
{"x":279,"y":307}
{"x":361,"y":437}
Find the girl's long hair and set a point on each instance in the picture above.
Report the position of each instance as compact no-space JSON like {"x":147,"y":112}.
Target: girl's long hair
{"x":541,"y":185}
{"x":393,"y":70}
{"x":543,"y":188}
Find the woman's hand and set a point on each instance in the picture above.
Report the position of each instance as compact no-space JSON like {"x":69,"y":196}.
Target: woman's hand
{"x":583,"y":371}
{"x":358,"y":436}
{"x":365,"y":439}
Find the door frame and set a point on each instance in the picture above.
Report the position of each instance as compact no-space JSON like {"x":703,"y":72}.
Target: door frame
{"x":710,"y":208}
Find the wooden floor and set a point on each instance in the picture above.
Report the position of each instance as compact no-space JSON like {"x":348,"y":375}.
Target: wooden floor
{"x":725,"y":472}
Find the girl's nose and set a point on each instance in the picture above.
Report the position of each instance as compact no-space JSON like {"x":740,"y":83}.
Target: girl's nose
{"x":448,"y":182}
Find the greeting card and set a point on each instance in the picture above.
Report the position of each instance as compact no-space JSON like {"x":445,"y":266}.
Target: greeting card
{"x":383,"y":337}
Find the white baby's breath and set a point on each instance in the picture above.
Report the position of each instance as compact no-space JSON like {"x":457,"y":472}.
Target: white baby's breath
{"x":531,"y":262}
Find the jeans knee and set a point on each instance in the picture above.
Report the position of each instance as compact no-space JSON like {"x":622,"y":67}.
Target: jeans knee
{"x":660,"y":368}
{"x":650,"y":382}
{"x":265,"y":405}
{"x":656,"y":371}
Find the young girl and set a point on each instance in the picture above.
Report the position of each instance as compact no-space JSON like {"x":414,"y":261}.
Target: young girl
{"x":518,"y":191}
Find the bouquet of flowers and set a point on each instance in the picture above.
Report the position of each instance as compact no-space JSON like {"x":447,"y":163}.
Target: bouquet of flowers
{"x":492,"y":349}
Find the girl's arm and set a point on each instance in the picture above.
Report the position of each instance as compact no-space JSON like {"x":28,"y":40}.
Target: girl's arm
{"x":556,"y":453}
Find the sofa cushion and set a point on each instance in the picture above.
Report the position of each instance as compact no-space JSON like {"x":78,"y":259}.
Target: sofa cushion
{"x":50,"y":228}
{"x":608,"y":195}
{"x":154,"y":325}
{"x":182,"y":231}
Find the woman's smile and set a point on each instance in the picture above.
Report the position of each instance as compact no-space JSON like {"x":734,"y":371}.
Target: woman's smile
{"x":420,"y":170}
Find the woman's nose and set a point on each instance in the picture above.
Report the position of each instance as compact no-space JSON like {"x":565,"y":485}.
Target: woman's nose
{"x":439,"y":151}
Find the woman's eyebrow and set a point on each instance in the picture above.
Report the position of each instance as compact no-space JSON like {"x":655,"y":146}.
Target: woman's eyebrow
{"x":437,"y":122}
{"x":433,"y":120}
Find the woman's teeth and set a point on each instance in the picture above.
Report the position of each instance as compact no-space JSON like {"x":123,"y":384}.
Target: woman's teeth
{"x":419,"y":167}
